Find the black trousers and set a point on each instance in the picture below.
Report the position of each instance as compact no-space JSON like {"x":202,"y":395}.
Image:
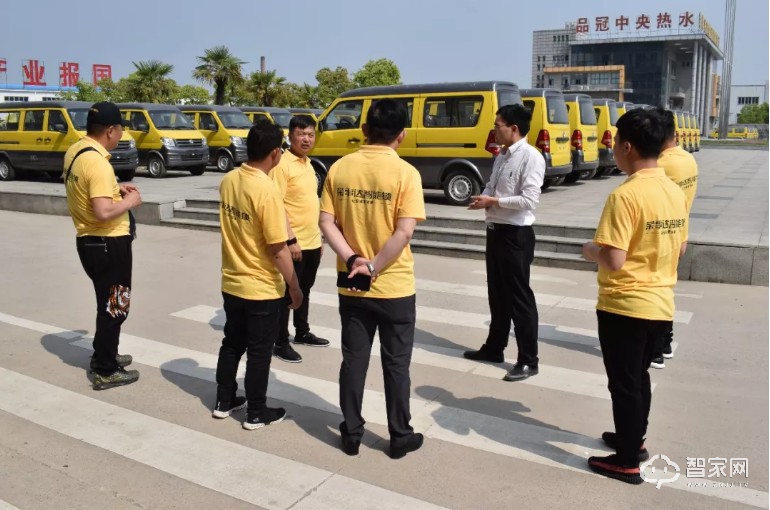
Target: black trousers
{"x":510,"y":251}
{"x":306,"y":270}
{"x":627,"y":348}
{"x":665,"y":340}
{"x":395,"y":319}
{"x":251,"y":326}
{"x":107,"y":261}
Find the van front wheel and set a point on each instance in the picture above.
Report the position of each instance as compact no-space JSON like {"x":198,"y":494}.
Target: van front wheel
{"x":460,"y":186}
{"x":198,"y":170}
{"x":7,"y":173}
{"x":125,"y":175}
{"x":156,"y":166}
{"x":224,"y":162}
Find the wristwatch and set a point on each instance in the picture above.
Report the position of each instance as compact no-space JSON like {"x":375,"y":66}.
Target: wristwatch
{"x":371,"y":269}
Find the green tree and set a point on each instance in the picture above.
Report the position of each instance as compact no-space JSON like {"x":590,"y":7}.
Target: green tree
{"x":192,"y":94}
{"x":307,"y":96}
{"x":150,"y":82}
{"x":220,"y":69}
{"x":85,"y":92}
{"x":265,"y":88}
{"x":331,"y":84}
{"x":754,"y":114}
{"x":117,"y":92}
{"x":377,"y":72}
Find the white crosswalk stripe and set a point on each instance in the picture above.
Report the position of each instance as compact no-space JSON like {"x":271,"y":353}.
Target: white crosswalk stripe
{"x":73,"y":415}
{"x":587,"y":305}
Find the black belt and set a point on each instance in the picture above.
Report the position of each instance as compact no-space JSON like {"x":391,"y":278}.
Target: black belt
{"x":505,"y":226}
{"x":82,"y":239}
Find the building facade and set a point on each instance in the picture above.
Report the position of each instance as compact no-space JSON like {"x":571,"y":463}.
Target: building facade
{"x":32,"y":93}
{"x":745,"y":95}
{"x":665,"y":60}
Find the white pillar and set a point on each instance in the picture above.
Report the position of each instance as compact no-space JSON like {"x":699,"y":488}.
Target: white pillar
{"x":694,"y":83}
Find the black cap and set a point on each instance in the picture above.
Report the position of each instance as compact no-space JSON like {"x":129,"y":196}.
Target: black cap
{"x":105,"y":114}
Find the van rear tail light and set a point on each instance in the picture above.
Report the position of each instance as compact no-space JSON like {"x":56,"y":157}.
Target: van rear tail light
{"x":607,"y":139}
{"x":543,"y":141}
{"x":577,"y":139}
{"x":491,"y":145}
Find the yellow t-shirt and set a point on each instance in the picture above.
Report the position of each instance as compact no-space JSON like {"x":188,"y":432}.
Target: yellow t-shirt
{"x":646,"y":216}
{"x":251,"y":216}
{"x":680,"y":167}
{"x":92,"y":176}
{"x":296,"y":180}
{"x":367,"y":192}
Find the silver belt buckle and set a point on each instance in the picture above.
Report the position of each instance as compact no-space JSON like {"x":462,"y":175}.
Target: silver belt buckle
{"x":490,"y":226}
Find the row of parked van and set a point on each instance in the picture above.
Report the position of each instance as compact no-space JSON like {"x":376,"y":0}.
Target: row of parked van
{"x":739,"y":132}
{"x":34,"y":136}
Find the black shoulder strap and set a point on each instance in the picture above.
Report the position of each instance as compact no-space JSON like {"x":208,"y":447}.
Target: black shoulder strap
{"x":81,"y":151}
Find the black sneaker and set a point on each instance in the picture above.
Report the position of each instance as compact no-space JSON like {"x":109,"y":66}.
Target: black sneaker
{"x":224,"y":409}
{"x":349,"y":445}
{"x":484,"y":354}
{"x":267,"y":416}
{"x":668,"y":352}
{"x":658,"y":362}
{"x":520,"y":372}
{"x":412,"y":444}
{"x":123,"y":360}
{"x":311,"y":340}
{"x":611,"y":467}
{"x":287,"y":353}
{"x":611,"y":440}
{"x":120,"y":377}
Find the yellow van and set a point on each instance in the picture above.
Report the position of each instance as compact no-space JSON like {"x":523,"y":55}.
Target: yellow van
{"x":449,"y":136}
{"x":606,"y":111}
{"x":583,"y":137}
{"x":623,"y":107}
{"x":279,"y":116}
{"x":695,"y":132}
{"x":165,"y":138}
{"x":549,"y":132}
{"x":225,"y":128}
{"x":35,"y":135}
{"x":738,"y":132}
{"x":312,"y":112}
{"x":680,"y":130}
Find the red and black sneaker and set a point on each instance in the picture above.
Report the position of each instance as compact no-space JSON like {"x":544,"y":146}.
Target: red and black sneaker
{"x":611,"y":467}
{"x":611,"y":440}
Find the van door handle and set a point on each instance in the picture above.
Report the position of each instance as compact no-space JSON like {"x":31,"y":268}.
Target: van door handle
{"x":353,"y":140}
{"x":39,"y":140}
{"x":47,"y":140}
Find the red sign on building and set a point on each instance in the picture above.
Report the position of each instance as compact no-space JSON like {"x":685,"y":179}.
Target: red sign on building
{"x":34,"y":73}
{"x":69,"y":74}
{"x":3,"y":65}
{"x":101,"y":72}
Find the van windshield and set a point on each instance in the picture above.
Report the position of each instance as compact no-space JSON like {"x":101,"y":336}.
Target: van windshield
{"x":282,"y":119}
{"x":79,"y":117}
{"x":508,"y":96}
{"x":170,"y":119}
{"x":587,"y":114}
{"x":557,"y":110}
{"x":613,"y":113}
{"x":235,"y":120}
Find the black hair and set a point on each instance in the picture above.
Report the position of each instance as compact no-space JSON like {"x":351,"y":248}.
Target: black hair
{"x":669,"y":125}
{"x":263,"y":138}
{"x":385,"y":120}
{"x":516,"y":114}
{"x":644,"y":129}
{"x":302,"y":122}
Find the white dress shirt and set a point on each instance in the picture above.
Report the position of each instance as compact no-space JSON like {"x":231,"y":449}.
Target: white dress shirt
{"x":517,"y":175}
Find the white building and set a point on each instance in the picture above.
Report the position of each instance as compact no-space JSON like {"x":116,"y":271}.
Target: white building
{"x":744,"y":95}
{"x":31,"y":93}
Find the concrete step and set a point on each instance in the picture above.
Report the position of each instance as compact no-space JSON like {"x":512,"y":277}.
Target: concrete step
{"x":191,"y":224}
{"x":546,"y":243}
{"x":197,"y":213}
{"x":203,"y":204}
{"x":479,"y":225}
{"x":470,"y":251}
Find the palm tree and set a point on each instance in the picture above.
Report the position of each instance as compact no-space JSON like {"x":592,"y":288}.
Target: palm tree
{"x":265,"y":87}
{"x":150,"y":82}
{"x":220,"y":68}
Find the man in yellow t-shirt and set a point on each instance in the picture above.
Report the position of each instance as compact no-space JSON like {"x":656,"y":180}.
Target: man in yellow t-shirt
{"x":641,"y":235}
{"x":255,"y":264}
{"x":680,"y":166}
{"x":100,"y":211}
{"x":295,"y":178}
{"x":371,"y":202}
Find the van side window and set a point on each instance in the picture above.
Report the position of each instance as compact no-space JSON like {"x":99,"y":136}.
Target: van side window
{"x":207,"y":121}
{"x":190,"y":116}
{"x":529,"y":105}
{"x":33,"y":120}
{"x":346,"y":115}
{"x":138,"y":121}
{"x":452,"y":111}
{"x":598,"y":113}
{"x":9,"y":121}
{"x":56,"y":121}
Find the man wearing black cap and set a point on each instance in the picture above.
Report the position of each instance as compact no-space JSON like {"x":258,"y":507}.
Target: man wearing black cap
{"x":100,"y":211}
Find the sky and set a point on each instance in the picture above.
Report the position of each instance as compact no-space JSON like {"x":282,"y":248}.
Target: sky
{"x":429,"y":40}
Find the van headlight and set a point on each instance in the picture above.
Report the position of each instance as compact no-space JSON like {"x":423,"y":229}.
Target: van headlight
{"x":132,"y":144}
{"x":236,"y":140}
{"x":204,"y":143}
{"x":167,"y":142}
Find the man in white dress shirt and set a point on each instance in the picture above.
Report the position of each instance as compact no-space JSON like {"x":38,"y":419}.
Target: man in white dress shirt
{"x":509,"y":200}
